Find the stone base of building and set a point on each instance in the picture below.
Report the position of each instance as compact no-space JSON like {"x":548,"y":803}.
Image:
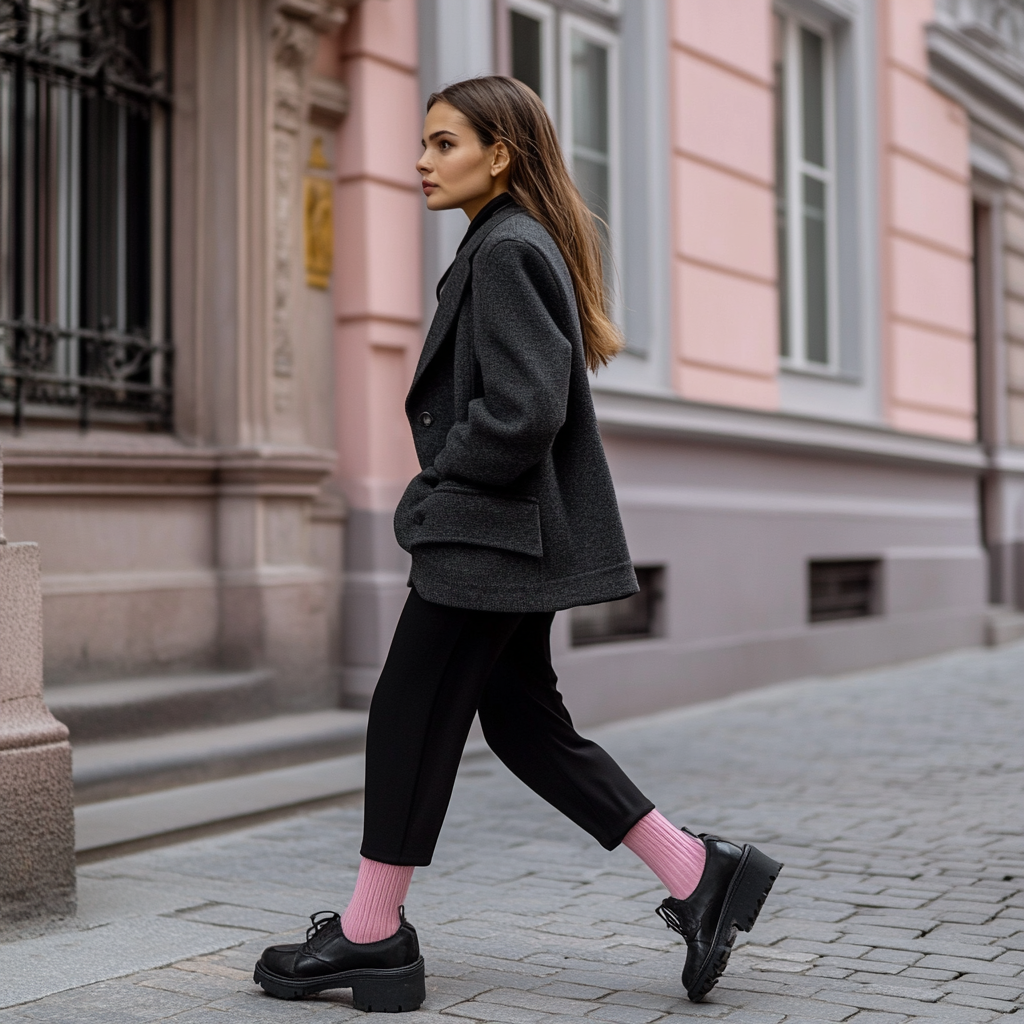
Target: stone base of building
{"x":37,"y":833}
{"x":37,"y":862}
{"x":605,"y":683}
{"x":164,"y":558}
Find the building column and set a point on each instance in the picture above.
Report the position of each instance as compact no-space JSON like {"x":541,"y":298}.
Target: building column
{"x":37,"y":828}
{"x":378,"y":315}
{"x":255,"y":125}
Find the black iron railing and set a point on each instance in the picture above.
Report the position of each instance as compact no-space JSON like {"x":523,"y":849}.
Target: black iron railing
{"x":83,"y":209}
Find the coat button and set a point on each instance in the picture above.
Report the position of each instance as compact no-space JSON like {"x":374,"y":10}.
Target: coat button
{"x":426,"y":419}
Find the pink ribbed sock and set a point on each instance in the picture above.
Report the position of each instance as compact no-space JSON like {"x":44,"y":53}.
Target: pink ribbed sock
{"x":676,"y":857}
{"x":372,"y":913}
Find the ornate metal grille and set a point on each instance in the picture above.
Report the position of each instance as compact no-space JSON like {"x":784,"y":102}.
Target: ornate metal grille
{"x":83,"y":211}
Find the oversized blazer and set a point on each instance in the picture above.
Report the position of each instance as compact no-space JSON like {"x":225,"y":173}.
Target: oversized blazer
{"x":514,"y":510}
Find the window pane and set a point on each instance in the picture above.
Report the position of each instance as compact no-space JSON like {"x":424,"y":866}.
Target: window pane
{"x":812,"y":61}
{"x":630,"y":618}
{"x":592,"y":181}
{"x":589,"y":96}
{"x":102,"y":224}
{"x":526,"y":49}
{"x":76,"y":167}
{"x":779,"y":68}
{"x":591,"y":160}
{"x":815,"y":271}
{"x":844,"y":590}
{"x":6,"y":174}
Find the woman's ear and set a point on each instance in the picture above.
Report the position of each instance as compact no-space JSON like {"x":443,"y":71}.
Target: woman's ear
{"x":500,"y":159}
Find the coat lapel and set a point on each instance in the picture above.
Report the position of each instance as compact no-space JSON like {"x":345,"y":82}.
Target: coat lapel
{"x":451,"y":294}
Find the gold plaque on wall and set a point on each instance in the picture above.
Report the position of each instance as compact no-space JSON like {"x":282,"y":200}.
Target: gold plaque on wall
{"x":318,"y":220}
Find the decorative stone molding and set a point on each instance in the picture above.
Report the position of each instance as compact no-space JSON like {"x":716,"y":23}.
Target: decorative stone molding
{"x":297,"y":27}
{"x":37,"y":831}
{"x":328,"y":102}
{"x":976,"y":57}
{"x":995,"y":24}
{"x":620,"y":412}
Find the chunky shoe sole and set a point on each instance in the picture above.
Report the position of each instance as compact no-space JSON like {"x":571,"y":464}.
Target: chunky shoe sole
{"x":391,"y":990}
{"x":748,"y":889}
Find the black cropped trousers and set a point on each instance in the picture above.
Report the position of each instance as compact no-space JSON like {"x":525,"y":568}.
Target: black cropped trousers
{"x":446,"y":664}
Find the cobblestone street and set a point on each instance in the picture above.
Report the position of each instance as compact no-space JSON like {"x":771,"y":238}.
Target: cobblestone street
{"x":895,"y":799}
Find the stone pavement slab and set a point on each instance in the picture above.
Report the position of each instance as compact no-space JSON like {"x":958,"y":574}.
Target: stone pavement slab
{"x":895,"y":798}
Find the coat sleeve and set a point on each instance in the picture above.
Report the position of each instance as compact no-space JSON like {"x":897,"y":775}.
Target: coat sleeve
{"x":524,"y":358}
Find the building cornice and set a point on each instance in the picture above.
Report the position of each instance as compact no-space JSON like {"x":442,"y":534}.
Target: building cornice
{"x":976,"y":57}
{"x":1007,"y":460}
{"x":997,"y":25}
{"x":144,"y":466}
{"x":626,"y":413}
{"x":321,"y":15}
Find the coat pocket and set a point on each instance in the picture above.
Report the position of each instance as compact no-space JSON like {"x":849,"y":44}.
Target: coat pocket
{"x":462,"y":516}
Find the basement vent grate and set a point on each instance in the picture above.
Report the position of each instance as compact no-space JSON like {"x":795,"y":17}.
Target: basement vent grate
{"x":632,"y":618}
{"x":844,"y":589}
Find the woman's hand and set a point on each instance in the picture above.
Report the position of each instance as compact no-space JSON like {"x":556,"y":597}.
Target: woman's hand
{"x":420,"y":488}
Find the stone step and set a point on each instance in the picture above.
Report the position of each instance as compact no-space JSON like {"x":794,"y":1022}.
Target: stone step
{"x":110,"y":823}
{"x":121,"y":768}
{"x":1003,"y":626}
{"x":166,"y":815}
{"x":133,"y":708}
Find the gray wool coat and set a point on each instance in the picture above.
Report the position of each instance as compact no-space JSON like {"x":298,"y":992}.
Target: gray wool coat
{"x":514,"y":510}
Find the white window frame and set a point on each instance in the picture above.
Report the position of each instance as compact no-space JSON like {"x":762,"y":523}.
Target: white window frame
{"x":571,"y":23}
{"x":796,"y":169}
{"x":545,"y":14}
{"x":604,"y":6}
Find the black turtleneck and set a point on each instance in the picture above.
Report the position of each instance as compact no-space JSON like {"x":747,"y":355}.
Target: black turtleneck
{"x":497,"y":203}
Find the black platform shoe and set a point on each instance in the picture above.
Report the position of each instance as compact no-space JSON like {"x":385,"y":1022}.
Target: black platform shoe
{"x":386,"y":975}
{"x":727,"y":899}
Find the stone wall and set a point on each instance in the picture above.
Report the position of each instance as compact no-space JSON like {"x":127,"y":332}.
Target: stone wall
{"x":37,"y":832}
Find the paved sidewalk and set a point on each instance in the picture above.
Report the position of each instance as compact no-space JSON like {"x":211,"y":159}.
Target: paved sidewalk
{"x":896,"y":799}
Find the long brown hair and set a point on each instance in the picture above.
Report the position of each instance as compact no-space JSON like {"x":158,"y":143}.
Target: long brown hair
{"x":503,"y":109}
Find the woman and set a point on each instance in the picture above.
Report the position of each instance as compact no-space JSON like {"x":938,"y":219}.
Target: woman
{"x":512,"y":518}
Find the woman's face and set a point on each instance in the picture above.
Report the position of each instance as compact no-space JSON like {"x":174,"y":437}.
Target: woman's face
{"x":458,"y":172}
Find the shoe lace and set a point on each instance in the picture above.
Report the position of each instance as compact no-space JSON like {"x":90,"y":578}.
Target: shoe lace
{"x":671,"y":919}
{"x":321,"y":919}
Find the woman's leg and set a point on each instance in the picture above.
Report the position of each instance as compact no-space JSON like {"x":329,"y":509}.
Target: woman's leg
{"x":529,"y":728}
{"x":420,"y":715}
{"x":675,"y":856}
{"x":421,"y":712}
{"x":373,"y":912}
{"x":716,"y":887}
{"x":422,"y":709}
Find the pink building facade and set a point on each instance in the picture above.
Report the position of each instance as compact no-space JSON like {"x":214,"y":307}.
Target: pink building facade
{"x":815,"y":215}
{"x":797,"y":429}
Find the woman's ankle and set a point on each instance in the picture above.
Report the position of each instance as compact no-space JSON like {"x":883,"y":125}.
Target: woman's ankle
{"x":675,"y":856}
{"x":373,"y":911}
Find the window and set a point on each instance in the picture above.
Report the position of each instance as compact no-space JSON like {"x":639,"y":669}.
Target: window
{"x":571,"y":62}
{"x":527,"y":50}
{"x":589,"y":92}
{"x":805,"y":195}
{"x":632,"y":618}
{"x":83,"y":120}
{"x":531,"y":46}
{"x":843,"y":589}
